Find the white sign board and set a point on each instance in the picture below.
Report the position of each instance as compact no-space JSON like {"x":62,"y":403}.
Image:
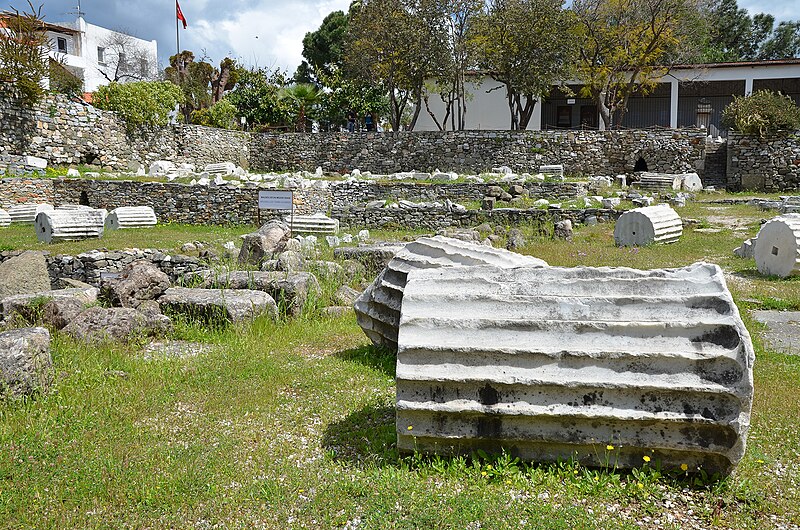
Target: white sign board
{"x":275,"y":199}
{"x":570,"y":101}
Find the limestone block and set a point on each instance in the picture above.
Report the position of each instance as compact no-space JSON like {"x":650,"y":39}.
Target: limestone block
{"x":5,"y":219}
{"x":212,"y":305}
{"x":378,"y":307}
{"x":291,"y":290}
{"x":27,"y":304}
{"x":318,"y":223}
{"x":556,"y":363}
{"x":223,"y":168}
{"x":99,"y":324}
{"x":25,"y":362}
{"x":130,"y":217}
{"x":35,"y":162}
{"x":161,"y":167}
{"x":777,"y":247}
{"x":555,"y":169}
{"x":747,"y":249}
{"x":648,"y":225}
{"x":26,"y":213}
{"x":659,"y":181}
{"x":691,"y":182}
{"x":68,"y":225}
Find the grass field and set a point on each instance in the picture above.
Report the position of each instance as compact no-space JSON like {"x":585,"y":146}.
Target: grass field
{"x":291,"y":425}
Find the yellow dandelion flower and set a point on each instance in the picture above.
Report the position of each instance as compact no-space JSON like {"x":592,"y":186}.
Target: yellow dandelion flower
{"x":759,"y":461}
{"x":488,"y":466}
{"x":610,"y":447}
{"x":483,"y":473}
{"x":508,"y":482}
{"x":410,"y":427}
{"x":684,"y":467}
{"x":646,"y":458}
{"x":640,"y":485}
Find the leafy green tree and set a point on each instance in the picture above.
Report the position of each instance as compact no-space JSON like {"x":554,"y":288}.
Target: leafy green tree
{"x":344,"y":94}
{"x":528,"y":45}
{"x":24,"y":61}
{"x":303,"y":100}
{"x":257,"y":97}
{"x":221,"y":114}
{"x":761,"y":113}
{"x":784,"y":42}
{"x":139,"y":103}
{"x":323,"y":49}
{"x":625,"y":47}
{"x":201,"y":83}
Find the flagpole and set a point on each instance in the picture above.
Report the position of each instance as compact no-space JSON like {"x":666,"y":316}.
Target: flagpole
{"x":177,"y":30}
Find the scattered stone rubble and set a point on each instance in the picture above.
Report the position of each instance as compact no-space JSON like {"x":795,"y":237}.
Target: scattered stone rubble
{"x":378,"y":307}
{"x":556,"y":363}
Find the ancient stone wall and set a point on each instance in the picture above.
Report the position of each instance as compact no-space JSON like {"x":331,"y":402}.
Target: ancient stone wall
{"x":361,"y":192}
{"x":439,"y":218}
{"x":66,"y":132}
{"x":771,"y":163}
{"x":21,"y":190}
{"x":581,"y":152}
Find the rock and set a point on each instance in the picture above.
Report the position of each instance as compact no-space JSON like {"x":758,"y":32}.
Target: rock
{"x":268,"y":240}
{"x":213,"y":305}
{"x":656,"y":363}
{"x":373,"y":257}
{"x":140,"y":280}
{"x":494,"y":191}
{"x":188,"y":248}
{"x":336,"y":311}
{"x":563,"y":229}
{"x":346,"y":296}
{"x":378,"y":307}
{"x":505,"y":197}
{"x":72,"y":172}
{"x":53,"y":226}
{"x":59,"y":312}
{"x":747,"y":248}
{"x":99,"y":324}
{"x":31,"y":306}
{"x":289,"y":291}
{"x":776,"y":248}
{"x":488,"y":203}
{"x":290,"y":261}
{"x":515,"y":239}
{"x":611,"y":202}
{"x":691,"y":182}
{"x":160,"y":168}
{"x":590,"y":221}
{"x":333,"y":241}
{"x":23,"y":274}
{"x":516,"y":190}
{"x":131,"y":217}
{"x":25,"y":362}
{"x":371,"y":205}
{"x":325,"y":269}
{"x":539,"y":203}
{"x":645,"y":226}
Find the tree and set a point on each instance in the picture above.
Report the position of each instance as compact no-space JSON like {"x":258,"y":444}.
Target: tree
{"x":625,"y":47}
{"x":126,"y":60}
{"x":140,"y":102}
{"x":528,"y":45}
{"x":302,"y":99}
{"x":201,"y":83}
{"x":323,"y":49}
{"x":784,"y":43}
{"x":398,"y":44}
{"x":761,"y":113}
{"x":257,"y":97}
{"x":343,"y":94}
{"x":24,"y":61}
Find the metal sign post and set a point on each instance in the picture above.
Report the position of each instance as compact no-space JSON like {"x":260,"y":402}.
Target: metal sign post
{"x":277,"y":200}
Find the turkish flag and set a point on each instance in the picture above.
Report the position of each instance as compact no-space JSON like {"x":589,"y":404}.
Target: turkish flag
{"x":179,"y":14}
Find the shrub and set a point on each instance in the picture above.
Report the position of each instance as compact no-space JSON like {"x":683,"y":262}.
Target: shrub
{"x":761,"y":113}
{"x":140,"y":103}
{"x":23,"y":53}
{"x":222,"y":114}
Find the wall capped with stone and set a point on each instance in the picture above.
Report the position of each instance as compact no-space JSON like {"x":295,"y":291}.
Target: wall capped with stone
{"x":65,"y":132}
{"x":439,"y":218}
{"x":581,"y":152}
{"x":771,"y":163}
{"x":21,"y":190}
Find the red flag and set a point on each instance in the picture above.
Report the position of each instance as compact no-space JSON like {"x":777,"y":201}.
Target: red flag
{"x":179,"y":14}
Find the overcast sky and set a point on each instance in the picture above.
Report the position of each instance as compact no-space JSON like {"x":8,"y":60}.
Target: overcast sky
{"x":257,"y":32}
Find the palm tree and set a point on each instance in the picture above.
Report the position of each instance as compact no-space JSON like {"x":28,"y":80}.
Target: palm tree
{"x":303,"y":97}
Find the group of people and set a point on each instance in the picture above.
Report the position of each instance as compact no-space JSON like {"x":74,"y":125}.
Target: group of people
{"x":369,"y":121}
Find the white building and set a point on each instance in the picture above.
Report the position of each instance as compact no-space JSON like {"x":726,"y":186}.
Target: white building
{"x":691,"y":95}
{"x":97,"y":55}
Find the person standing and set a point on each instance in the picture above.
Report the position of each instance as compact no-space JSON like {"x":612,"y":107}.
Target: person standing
{"x":368,"y":122}
{"x":351,"y":121}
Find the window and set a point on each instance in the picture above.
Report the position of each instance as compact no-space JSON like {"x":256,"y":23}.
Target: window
{"x":564,"y":116}
{"x":62,"y":44}
{"x":123,"y":60}
{"x":101,"y":55}
{"x":143,"y":67}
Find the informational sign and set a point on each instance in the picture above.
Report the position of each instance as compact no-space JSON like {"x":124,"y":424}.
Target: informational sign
{"x":275,"y":199}
{"x":570,"y":101}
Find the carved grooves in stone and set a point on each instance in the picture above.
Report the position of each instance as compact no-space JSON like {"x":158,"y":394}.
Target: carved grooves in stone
{"x":378,"y":307}
{"x":777,"y":246}
{"x":65,"y":225}
{"x":26,"y":213}
{"x":555,"y":363}
{"x":131,"y":217}
{"x":645,"y":226}
{"x":5,"y":219}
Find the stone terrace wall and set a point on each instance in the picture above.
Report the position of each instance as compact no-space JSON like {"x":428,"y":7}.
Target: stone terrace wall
{"x":181,"y":203}
{"x":581,"y":152}
{"x":20,"y":190}
{"x":438,"y":218}
{"x":361,"y":192}
{"x":767,"y":164}
{"x":65,"y":132}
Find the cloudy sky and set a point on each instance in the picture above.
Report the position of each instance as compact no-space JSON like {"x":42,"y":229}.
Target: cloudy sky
{"x":257,"y":32}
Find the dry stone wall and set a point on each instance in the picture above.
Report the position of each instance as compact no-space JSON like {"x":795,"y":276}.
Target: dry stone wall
{"x":771,"y":163}
{"x":22,"y":190}
{"x":361,"y":192}
{"x":581,"y":152}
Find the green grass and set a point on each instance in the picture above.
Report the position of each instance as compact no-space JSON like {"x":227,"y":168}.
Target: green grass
{"x":291,"y":425}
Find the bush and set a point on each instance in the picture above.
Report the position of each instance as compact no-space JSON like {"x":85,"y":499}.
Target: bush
{"x":222,"y":115}
{"x":140,"y":103}
{"x":761,"y":113}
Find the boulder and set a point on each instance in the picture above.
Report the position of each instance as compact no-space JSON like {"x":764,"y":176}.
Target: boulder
{"x":776,"y":250}
{"x":290,"y":261}
{"x":373,"y":257}
{"x":262,"y":244}
{"x":99,"y":324}
{"x":555,"y":363}
{"x":563,"y":229}
{"x":378,"y":307}
{"x":30,"y":306}
{"x":648,"y":225}
{"x":213,"y":305}
{"x":290,"y":291}
{"x":25,"y":362}
{"x":346,"y":296}
{"x":515,"y":239}
{"x":23,"y":274}
{"x":57,"y":313}
{"x":139,"y":280}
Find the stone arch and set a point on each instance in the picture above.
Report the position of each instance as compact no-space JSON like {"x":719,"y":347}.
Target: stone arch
{"x":640,"y":165}
{"x":84,"y":200}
